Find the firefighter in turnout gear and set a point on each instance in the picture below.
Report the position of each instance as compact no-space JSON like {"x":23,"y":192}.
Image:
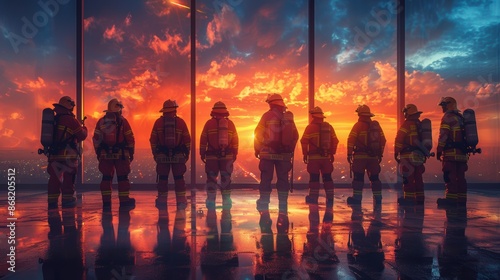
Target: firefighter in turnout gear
{"x":275,"y":138}
{"x":170,"y":143}
{"x":319,"y":145}
{"x":114,"y":144}
{"x":365,"y":146}
{"x":408,"y":153}
{"x":451,"y":152}
{"x":218,"y":150}
{"x":64,"y":156}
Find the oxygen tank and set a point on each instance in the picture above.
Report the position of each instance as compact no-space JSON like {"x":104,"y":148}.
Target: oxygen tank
{"x":109,"y":131}
{"x":325,"y":138}
{"x":47,"y":134}
{"x":169,"y":132}
{"x":287,"y":130}
{"x":374,"y":139}
{"x":223,"y":135}
{"x":470,"y":128}
{"x":426,"y":136}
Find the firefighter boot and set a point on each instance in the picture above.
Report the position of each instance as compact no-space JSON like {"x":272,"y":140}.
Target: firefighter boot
{"x":127,"y":204}
{"x":265,"y":221}
{"x":357,"y":192}
{"x":263,"y":201}
{"x":354,"y":200}
{"x":210,"y":201}
{"x":406,"y":201}
{"x":68,"y":201}
{"x":283,"y":202}
{"x":329,"y":193}
{"x":312,"y":198}
{"x":446,"y":202}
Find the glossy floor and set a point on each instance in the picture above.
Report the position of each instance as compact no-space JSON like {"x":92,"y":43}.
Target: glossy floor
{"x":346,"y":243}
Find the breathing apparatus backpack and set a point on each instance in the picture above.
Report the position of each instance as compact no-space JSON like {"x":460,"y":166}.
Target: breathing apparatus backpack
{"x":469,"y":129}
{"x":48,"y":131}
{"x":425,"y":135}
{"x":374,"y":141}
{"x":223,"y":135}
{"x":325,"y":138}
{"x":287,"y":131}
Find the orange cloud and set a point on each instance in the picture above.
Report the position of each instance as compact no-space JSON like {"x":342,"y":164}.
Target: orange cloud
{"x":37,"y":84}
{"x":172,"y":42}
{"x":114,"y":33}
{"x":214,"y":79}
{"x":88,"y":23}
{"x":128,"y":20}
{"x":224,"y":23}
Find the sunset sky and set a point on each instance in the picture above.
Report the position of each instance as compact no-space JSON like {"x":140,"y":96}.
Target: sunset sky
{"x":139,"y":52}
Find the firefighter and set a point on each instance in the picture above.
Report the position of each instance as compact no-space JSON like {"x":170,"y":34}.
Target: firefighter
{"x":364,"y":152}
{"x":170,"y":143}
{"x":64,"y":156}
{"x":451,"y":153}
{"x":410,"y":157}
{"x":218,"y":150}
{"x":114,"y":144}
{"x":319,"y":145}
{"x":274,"y":144}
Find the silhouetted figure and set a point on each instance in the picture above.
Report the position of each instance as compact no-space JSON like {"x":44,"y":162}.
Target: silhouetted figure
{"x":365,"y":255}
{"x":218,"y":150}
{"x":64,"y":259}
{"x":274,"y":143}
{"x":451,"y":151}
{"x":114,"y":145}
{"x":453,"y":256}
{"x":319,"y":145}
{"x":365,"y":147}
{"x":170,"y":143}
{"x":64,"y":155}
{"x":409,"y":152}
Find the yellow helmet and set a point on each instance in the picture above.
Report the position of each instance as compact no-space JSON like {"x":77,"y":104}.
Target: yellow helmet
{"x":169,"y":106}
{"x":114,"y":106}
{"x":364,"y":110}
{"x":449,"y":102}
{"x":275,"y":99}
{"x":316,"y":112}
{"x":67,"y":102}
{"x":411,"y":109}
{"x":219,"y":108}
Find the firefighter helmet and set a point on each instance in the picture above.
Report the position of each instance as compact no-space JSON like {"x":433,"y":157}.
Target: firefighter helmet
{"x":114,"y":106}
{"x":67,"y":102}
{"x":169,"y":106}
{"x":411,"y":109}
{"x":275,"y":99}
{"x":316,"y":112}
{"x":219,"y":108}
{"x":448,"y":102}
{"x":364,"y":110}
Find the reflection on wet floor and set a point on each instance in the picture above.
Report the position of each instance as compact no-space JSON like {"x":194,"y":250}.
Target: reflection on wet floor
{"x":239,"y":242}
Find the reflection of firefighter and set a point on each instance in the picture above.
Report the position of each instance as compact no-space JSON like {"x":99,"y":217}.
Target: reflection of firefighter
{"x":319,"y":250}
{"x":365,"y":254}
{"x":174,"y":259}
{"x":275,"y":138}
{"x":115,"y":257}
{"x":408,"y":153}
{"x":319,"y":145}
{"x":451,"y":152}
{"x":114,"y":145}
{"x":64,"y":258}
{"x":410,"y":248}
{"x":219,"y":253}
{"x":64,"y":155}
{"x":275,"y":263}
{"x":453,"y":257}
{"x":218,"y":150}
{"x":170,"y":143}
{"x":365,"y":147}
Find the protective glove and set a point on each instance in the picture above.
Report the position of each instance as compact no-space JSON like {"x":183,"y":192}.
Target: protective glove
{"x":204,"y":158}
{"x":439,"y":156}
{"x":379,"y":159}
{"x":131,"y":157}
{"x":332,"y":158}
{"x":256,"y":154}
{"x":349,"y":159}
{"x":304,"y":158}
